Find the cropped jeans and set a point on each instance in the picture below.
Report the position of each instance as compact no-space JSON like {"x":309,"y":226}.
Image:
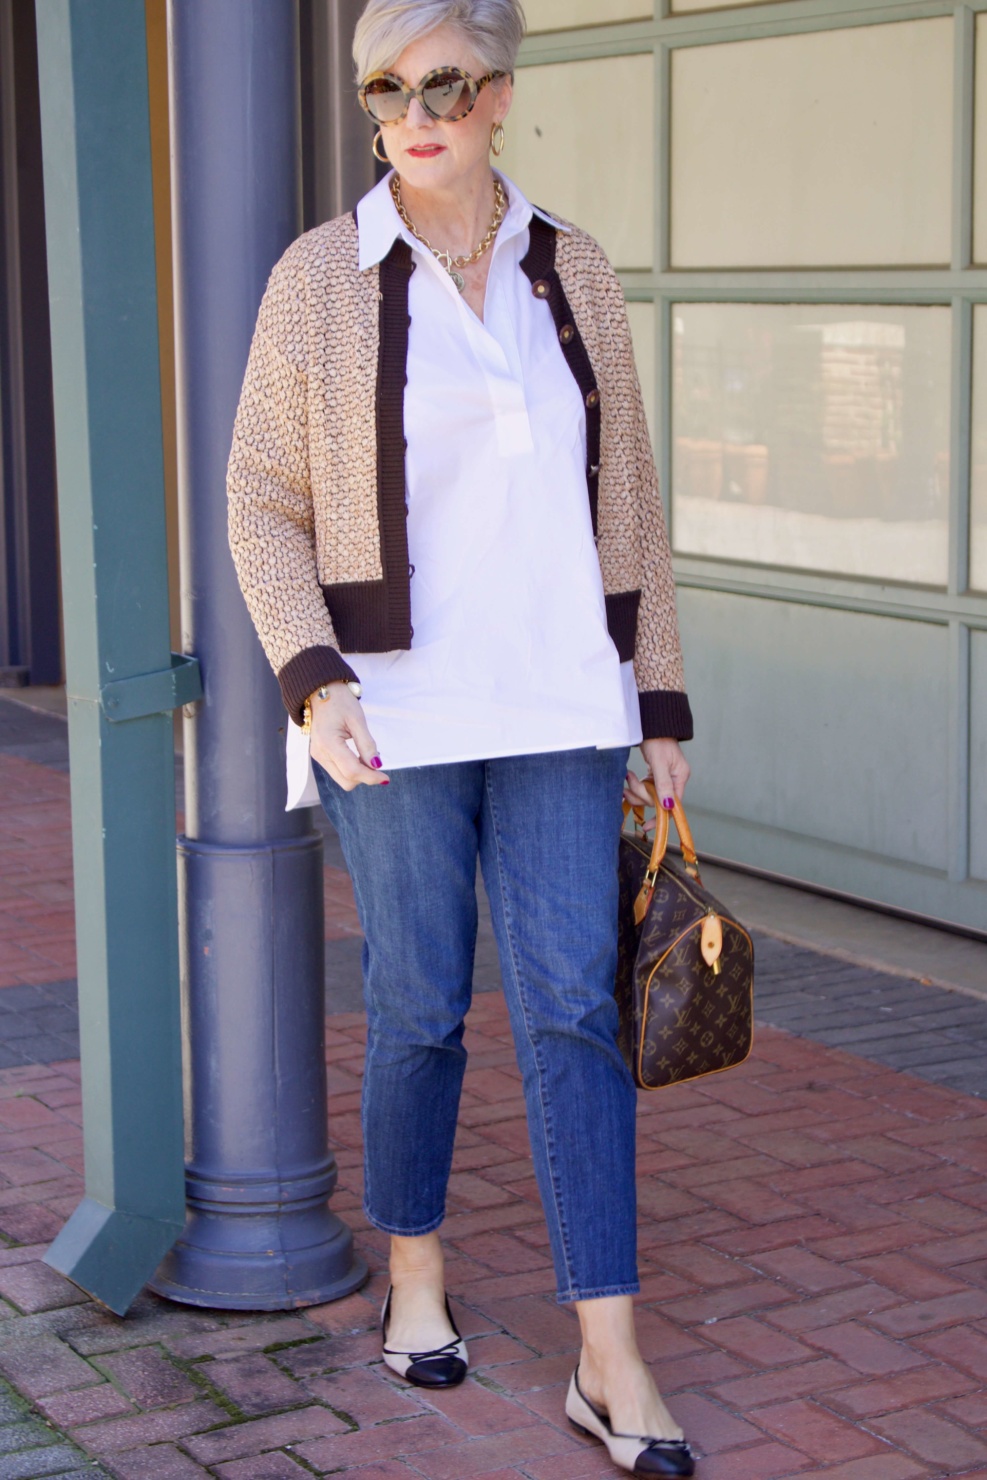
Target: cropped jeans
{"x":545,"y":829}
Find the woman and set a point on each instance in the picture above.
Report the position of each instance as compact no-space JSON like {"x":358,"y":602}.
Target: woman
{"x":441,"y":469}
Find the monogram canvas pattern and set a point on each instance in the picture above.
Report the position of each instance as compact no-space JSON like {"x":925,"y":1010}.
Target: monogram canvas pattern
{"x":679,"y":1019}
{"x":303,"y":477}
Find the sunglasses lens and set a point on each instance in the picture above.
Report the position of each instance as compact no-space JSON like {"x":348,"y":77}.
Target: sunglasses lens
{"x":448,"y":94}
{"x":384,"y":100}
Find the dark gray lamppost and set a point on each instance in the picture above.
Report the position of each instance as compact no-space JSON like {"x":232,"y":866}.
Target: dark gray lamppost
{"x":260,"y":1234}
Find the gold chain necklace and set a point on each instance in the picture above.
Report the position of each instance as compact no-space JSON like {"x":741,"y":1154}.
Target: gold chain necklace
{"x":449,"y":262}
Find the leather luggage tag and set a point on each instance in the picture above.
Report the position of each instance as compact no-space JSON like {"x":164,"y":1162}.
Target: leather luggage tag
{"x":711,"y":941}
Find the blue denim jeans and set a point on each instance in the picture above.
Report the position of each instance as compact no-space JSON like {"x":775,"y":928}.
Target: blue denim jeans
{"x":545,"y":829}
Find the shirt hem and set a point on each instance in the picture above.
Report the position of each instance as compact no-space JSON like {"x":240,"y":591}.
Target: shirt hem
{"x":495,"y":755}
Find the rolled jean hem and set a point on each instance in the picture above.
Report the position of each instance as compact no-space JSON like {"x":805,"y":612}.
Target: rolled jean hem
{"x":383,"y":1227}
{"x":565,"y":1297}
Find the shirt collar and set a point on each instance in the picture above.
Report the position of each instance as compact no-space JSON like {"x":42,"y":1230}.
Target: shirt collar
{"x":379,"y":224}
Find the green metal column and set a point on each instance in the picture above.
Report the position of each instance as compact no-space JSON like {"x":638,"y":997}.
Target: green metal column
{"x":123,"y":681}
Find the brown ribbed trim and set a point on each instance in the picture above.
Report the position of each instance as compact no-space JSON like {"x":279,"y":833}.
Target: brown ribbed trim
{"x":392,"y":511}
{"x":538,"y":265}
{"x":665,"y":715}
{"x":308,"y":671}
{"x":622,"y":621}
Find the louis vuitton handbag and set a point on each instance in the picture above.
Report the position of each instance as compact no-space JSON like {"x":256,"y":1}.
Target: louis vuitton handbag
{"x":685,"y":966}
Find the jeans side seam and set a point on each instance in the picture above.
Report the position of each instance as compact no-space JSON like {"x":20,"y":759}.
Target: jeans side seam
{"x":536,"y":1056}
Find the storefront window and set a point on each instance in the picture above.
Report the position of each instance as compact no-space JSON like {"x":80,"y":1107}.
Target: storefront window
{"x":682,"y":7}
{"x":980,"y":146}
{"x":826,"y":149}
{"x":642,"y":321}
{"x":559,"y":15}
{"x":813,"y":437}
{"x":581,"y":141}
{"x":978,"y":502}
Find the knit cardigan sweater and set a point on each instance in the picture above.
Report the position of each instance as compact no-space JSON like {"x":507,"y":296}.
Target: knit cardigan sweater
{"x":316,"y":479}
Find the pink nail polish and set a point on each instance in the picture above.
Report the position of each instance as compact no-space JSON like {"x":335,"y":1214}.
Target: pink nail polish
{"x":668,"y":803}
{"x":376,"y":762}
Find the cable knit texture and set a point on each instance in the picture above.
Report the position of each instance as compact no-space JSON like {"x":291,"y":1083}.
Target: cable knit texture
{"x":303,"y":470}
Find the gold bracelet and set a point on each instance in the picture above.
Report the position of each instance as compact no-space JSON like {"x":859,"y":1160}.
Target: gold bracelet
{"x":323,"y":693}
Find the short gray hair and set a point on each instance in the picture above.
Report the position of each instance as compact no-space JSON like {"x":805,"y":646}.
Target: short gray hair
{"x":493,"y":29}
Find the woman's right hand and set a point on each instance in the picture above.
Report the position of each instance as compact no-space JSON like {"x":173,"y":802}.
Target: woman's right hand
{"x":335,"y":720}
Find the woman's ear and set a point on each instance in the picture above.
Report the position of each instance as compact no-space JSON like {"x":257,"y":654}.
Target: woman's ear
{"x":505,"y":97}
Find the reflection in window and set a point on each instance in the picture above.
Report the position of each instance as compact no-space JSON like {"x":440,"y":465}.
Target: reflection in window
{"x":813,"y":437}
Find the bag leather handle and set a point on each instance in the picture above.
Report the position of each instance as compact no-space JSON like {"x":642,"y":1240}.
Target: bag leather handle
{"x":660,"y":843}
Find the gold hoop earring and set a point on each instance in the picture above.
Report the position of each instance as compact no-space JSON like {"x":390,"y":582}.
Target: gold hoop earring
{"x":379,"y":137}
{"x":497,"y":139}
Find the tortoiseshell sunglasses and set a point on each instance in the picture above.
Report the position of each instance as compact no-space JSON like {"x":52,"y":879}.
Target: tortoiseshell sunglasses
{"x":448,"y":94}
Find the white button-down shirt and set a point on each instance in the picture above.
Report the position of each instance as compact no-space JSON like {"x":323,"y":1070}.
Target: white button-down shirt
{"x":510,"y":654}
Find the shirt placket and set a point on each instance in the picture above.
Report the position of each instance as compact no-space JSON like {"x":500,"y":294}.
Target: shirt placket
{"x":497,"y":354}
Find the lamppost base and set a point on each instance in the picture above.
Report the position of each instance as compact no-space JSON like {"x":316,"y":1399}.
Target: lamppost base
{"x":263,"y":1259}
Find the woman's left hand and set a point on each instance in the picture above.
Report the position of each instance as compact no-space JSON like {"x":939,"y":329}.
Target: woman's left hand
{"x":669,"y":770}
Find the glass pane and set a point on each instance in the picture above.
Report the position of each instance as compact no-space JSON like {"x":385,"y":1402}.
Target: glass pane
{"x":978,"y":512}
{"x":978,"y":755}
{"x":813,"y":437}
{"x":559,"y":15}
{"x":642,"y":321}
{"x":580,"y":141}
{"x":828,"y":149}
{"x":680,"y":7}
{"x":980,"y":146}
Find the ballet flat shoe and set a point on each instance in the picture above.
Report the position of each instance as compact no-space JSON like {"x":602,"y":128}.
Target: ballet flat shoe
{"x":639,"y":1455}
{"x":444,"y":1367}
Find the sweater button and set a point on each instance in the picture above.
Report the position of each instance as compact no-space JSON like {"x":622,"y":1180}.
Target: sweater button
{"x":567,"y":333}
{"x":540,"y":288}
{"x":593,"y":399}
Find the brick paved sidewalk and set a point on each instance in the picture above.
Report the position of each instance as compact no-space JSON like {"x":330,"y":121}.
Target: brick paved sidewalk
{"x":813,"y":1234}
{"x":813,"y":1254}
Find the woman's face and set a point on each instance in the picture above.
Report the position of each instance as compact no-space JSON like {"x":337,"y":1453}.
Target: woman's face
{"x":427,"y":152}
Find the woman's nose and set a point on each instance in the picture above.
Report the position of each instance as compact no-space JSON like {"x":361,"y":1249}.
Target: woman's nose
{"x":417,"y":117}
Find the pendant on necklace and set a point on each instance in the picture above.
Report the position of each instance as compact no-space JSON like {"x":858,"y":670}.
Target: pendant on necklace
{"x":457,"y":278}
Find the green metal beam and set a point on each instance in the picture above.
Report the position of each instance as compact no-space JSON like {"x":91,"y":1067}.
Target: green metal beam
{"x":122,"y":680}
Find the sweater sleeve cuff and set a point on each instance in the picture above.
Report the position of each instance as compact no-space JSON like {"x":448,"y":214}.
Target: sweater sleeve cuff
{"x":308,"y":671}
{"x":665,"y":715}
